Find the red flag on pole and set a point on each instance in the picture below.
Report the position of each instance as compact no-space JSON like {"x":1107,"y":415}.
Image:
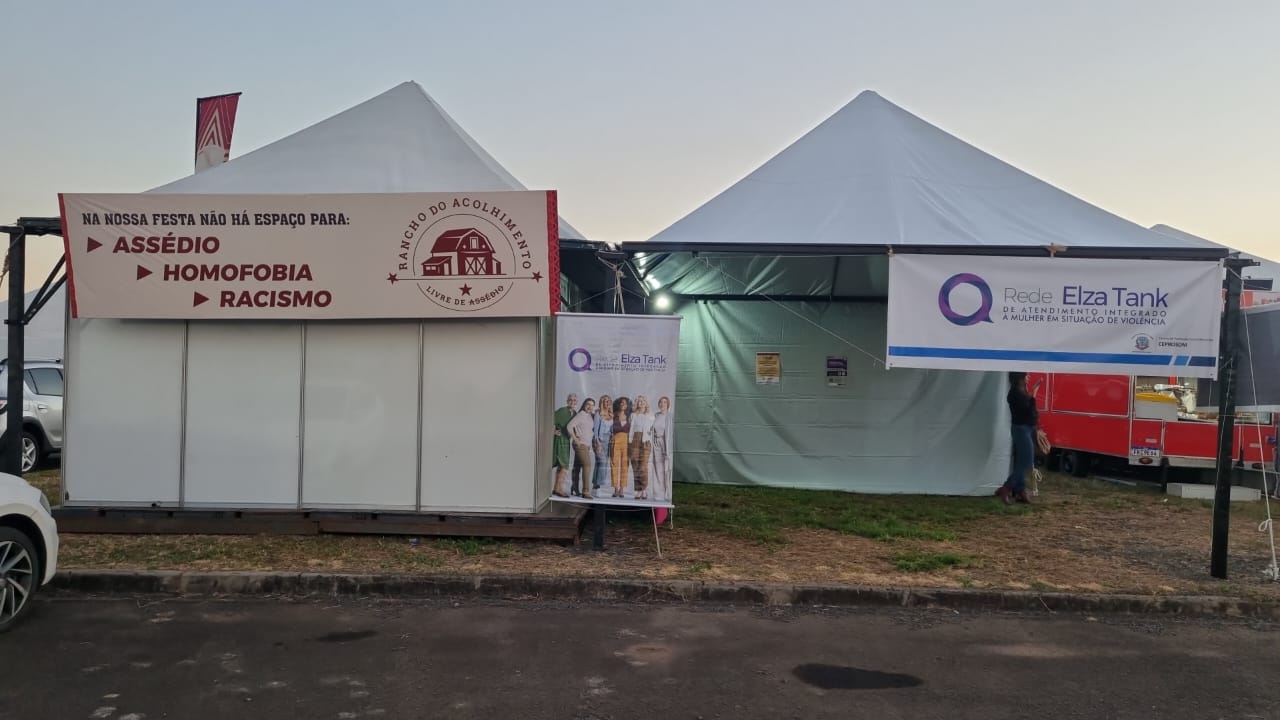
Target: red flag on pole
{"x":215,"y":119}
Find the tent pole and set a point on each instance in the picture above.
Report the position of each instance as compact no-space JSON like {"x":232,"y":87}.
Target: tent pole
{"x":12,"y":452}
{"x":1227,"y":356}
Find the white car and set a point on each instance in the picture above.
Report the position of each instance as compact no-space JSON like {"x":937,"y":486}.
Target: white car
{"x":28,"y":547}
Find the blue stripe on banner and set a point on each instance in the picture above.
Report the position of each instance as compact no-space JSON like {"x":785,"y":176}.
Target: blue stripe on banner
{"x":1049,"y":356}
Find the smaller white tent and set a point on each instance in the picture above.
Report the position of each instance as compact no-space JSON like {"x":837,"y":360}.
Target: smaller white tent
{"x":1264,"y":270}
{"x":399,"y":141}
{"x":792,"y":259}
{"x":46,"y":333}
{"x":442,"y":415}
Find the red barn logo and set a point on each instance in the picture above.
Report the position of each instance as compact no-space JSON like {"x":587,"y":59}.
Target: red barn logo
{"x":467,"y":249}
{"x":464,"y":255}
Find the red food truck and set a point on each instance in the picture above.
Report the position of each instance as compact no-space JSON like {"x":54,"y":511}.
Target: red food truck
{"x":1095,"y":420}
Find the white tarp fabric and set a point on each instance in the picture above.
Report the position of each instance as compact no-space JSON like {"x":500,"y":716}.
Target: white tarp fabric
{"x":874,"y":174}
{"x":1264,"y":270}
{"x":1054,"y":314}
{"x":46,"y":334}
{"x":399,"y":141}
{"x":900,"y":431}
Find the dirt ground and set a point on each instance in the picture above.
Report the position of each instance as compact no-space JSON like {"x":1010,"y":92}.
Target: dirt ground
{"x":1080,"y":535}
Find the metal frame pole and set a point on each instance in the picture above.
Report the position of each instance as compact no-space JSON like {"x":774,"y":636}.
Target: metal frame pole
{"x":12,"y":452}
{"x":1227,"y":356}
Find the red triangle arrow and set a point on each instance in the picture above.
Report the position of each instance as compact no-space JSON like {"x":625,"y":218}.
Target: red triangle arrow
{"x":198,"y":300}
{"x":143,"y":272}
{"x":93,"y":245}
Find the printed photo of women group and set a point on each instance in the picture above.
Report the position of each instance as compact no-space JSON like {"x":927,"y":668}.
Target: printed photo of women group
{"x":613,"y":449}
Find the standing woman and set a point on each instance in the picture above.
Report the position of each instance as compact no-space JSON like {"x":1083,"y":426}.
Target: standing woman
{"x":662,"y":426}
{"x":582,"y":433}
{"x":601,"y":435}
{"x":618,"y":449}
{"x":641,"y":446}
{"x":1023,"y":418}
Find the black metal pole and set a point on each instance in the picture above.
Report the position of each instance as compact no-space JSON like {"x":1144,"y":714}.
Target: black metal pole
{"x":12,"y":453}
{"x":1227,"y":355}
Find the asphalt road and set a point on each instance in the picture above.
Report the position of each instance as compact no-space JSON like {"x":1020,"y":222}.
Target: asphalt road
{"x":148,"y":658}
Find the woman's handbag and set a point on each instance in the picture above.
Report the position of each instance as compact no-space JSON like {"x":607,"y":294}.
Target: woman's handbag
{"x":1042,"y":443}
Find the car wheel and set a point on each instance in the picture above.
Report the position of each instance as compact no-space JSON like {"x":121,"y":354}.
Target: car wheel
{"x":19,"y":576}
{"x":30,"y":452}
{"x":1075,"y":464}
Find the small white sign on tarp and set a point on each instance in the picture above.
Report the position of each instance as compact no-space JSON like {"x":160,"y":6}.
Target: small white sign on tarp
{"x":350,"y":256}
{"x":1054,"y":314}
{"x":615,"y":409}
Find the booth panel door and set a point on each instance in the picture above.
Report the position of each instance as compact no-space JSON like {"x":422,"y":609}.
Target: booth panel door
{"x":479,"y":430}
{"x":360,"y":434}
{"x":123,"y":412}
{"x":244,"y":391}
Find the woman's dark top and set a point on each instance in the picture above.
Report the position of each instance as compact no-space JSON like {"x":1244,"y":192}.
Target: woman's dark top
{"x":1022,"y":408}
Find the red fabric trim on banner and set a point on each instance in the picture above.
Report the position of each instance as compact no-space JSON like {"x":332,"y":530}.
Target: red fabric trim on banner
{"x":553,"y":251}
{"x":66,"y":249}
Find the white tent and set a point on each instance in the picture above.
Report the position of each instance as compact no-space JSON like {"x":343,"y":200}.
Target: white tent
{"x":1264,"y":270}
{"x":792,"y":259}
{"x":399,"y":141}
{"x":344,"y":415}
{"x":47,"y":332}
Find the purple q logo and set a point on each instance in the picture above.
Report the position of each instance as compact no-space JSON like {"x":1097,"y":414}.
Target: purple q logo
{"x":579,"y":359}
{"x":982,"y":314}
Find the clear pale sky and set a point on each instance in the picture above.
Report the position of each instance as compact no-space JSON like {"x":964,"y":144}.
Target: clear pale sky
{"x":1162,"y":111}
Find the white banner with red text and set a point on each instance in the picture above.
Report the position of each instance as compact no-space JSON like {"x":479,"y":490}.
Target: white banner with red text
{"x":615,"y":409}
{"x":360,"y":256}
{"x":1132,"y":317}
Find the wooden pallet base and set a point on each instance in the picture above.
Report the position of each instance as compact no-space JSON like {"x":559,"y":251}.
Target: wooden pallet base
{"x":560,"y":522}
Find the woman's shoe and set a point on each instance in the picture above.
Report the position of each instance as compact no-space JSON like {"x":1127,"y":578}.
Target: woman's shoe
{"x":1004,"y":494}
{"x":1024,"y":497}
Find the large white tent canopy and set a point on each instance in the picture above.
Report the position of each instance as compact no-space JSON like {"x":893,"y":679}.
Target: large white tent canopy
{"x":792,"y":259}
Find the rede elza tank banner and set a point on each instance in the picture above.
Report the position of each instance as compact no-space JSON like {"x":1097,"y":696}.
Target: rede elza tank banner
{"x":614,"y":418}
{"x":1132,"y":317}
{"x":338,"y":256}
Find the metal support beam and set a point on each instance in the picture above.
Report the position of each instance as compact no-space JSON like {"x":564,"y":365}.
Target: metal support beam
{"x":1228,"y":353}
{"x":44,"y":293}
{"x":11,"y":456}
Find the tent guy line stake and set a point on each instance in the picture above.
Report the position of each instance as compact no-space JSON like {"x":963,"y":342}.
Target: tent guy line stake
{"x":653,"y":514}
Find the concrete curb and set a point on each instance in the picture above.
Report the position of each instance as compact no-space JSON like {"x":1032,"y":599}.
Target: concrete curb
{"x":635,"y":590}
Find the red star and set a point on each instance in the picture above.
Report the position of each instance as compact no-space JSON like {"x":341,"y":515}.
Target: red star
{"x":537,"y":277}
{"x":391,"y":278}
{"x":466,"y":290}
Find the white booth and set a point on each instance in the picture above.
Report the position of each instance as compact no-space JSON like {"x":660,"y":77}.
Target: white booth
{"x":376,"y":411}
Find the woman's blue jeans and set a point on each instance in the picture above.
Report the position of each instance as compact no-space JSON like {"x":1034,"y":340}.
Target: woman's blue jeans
{"x":1023,"y":457}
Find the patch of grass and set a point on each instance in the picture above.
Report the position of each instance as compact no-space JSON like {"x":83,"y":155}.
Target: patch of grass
{"x":49,"y":482}
{"x":764,"y":514}
{"x":699,"y":567}
{"x":923,"y":561}
{"x":966,"y":582}
{"x":468,"y":546}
